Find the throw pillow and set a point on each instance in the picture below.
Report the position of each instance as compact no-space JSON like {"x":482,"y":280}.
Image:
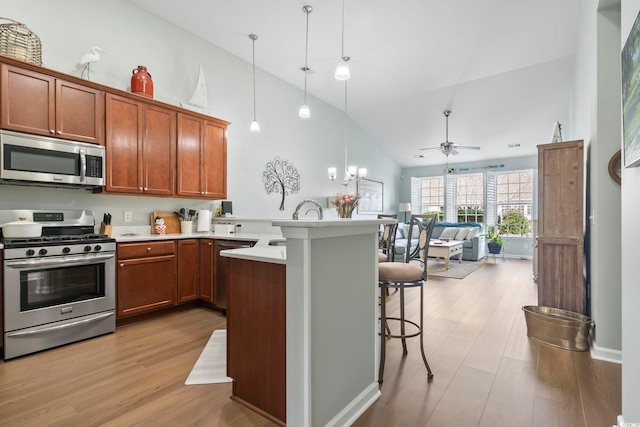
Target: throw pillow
{"x":462,"y":233}
{"x":399,"y":232}
{"x":414,"y":232}
{"x":473,"y":232}
{"x":449,"y":232}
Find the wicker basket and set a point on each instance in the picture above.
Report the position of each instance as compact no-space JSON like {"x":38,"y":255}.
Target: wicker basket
{"x":19,"y":42}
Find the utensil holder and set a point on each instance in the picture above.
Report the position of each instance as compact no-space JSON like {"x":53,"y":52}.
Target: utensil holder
{"x":186,"y":227}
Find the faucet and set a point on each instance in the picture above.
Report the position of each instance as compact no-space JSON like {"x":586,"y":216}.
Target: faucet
{"x":304,"y":202}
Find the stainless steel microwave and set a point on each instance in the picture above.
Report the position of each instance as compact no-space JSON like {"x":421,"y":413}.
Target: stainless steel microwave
{"x":40,"y":161}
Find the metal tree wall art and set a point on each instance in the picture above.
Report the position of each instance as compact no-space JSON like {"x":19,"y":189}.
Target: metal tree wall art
{"x":280,"y":176}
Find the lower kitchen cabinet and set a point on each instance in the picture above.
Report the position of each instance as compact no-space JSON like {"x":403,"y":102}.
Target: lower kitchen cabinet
{"x":1,"y":302}
{"x":207,"y":271}
{"x":188,"y":274}
{"x":221,"y":274}
{"x":146,"y":277}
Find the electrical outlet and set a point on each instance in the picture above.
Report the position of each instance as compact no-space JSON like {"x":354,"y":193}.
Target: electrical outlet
{"x":128,"y":216}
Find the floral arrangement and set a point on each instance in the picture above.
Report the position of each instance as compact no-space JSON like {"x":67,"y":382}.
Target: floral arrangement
{"x":345,"y":204}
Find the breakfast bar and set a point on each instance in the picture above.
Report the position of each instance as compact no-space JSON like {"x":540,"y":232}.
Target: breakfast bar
{"x":320,"y":292}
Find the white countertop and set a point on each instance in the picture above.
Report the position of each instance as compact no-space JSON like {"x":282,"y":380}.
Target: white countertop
{"x":262,"y":239}
{"x":270,"y":254}
{"x":318,"y":223}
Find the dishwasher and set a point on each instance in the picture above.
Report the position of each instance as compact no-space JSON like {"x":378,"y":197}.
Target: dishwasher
{"x":221,"y":269}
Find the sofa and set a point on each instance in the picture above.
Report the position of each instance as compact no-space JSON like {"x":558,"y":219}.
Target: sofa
{"x":473,"y":248}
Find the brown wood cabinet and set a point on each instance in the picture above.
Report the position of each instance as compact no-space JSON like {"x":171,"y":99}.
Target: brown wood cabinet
{"x":560,"y":226}
{"x":37,"y":103}
{"x":146,"y":277}
{"x":257,"y":320}
{"x":202,"y":157}
{"x":1,"y":302}
{"x":188,"y":270}
{"x":207,"y":271}
{"x":140,"y":147}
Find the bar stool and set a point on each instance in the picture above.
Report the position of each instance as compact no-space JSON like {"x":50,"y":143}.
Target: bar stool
{"x":401,"y":275}
{"x":387,"y":243}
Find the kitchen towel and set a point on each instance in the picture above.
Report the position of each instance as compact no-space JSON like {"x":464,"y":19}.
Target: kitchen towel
{"x":204,"y":220}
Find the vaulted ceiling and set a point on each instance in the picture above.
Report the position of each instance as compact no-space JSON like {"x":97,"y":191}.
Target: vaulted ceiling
{"x":503,"y":67}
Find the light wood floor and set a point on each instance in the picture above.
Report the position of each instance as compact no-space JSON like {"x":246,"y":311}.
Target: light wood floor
{"x":487,"y":372}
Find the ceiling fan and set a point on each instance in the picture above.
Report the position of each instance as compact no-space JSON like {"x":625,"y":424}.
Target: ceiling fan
{"x":447,"y":148}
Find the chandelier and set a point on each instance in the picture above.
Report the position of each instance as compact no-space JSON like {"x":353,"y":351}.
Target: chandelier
{"x":351,"y":172}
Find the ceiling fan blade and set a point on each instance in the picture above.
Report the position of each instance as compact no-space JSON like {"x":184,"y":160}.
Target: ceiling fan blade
{"x":467,"y":147}
{"x":430,"y":149}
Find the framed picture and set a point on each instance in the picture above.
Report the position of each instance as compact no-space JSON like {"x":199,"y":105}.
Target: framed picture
{"x":630,"y":63}
{"x":371,"y":193}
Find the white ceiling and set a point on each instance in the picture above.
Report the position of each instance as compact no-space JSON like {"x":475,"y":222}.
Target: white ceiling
{"x":503,"y":67}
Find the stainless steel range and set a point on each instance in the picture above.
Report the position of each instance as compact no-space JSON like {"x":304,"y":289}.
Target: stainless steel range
{"x":58,"y":288}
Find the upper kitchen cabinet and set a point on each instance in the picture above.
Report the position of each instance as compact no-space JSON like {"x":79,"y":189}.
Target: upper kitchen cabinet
{"x":140,"y":145}
{"x":202,"y":157}
{"x":37,"y":103}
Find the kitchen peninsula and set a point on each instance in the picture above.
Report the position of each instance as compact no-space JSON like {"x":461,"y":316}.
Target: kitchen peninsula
{"x":320,"y":292}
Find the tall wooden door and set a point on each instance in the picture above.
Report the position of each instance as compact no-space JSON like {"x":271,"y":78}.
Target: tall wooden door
{"x":560,"y":238}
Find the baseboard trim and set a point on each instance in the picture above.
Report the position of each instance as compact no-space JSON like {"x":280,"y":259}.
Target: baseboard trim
{"x":605,"y":354}
{"x":356,"y":407}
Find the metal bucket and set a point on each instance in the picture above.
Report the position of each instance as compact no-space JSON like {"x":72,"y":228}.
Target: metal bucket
{"x":557,"y":327}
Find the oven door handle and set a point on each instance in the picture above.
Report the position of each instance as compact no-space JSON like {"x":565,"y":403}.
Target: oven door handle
{"x":67,"y":261}
{"x":47,"y":329}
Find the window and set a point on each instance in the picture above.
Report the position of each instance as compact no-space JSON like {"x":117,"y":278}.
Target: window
{"x":505,"y":199}
{"x":432,"y":197}
{"x":514,"y":202}
{"x":470,"y":198}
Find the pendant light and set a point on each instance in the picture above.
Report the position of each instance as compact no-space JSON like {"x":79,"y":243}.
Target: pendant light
{"x":255,"y":126}
{"x":342,"y":68}
{"x":351,"y":172}
{"x":304,"y":111}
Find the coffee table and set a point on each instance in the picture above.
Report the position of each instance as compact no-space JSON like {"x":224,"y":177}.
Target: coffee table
{"x":446,"y":250}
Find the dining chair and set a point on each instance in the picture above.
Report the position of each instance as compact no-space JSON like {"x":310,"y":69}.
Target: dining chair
{"x":403,"y":275}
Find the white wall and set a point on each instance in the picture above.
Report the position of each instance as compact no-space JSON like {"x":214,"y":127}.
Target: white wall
{"x":132,"y":37}
{"x":595,"y":117}
{"x":630,"y":288}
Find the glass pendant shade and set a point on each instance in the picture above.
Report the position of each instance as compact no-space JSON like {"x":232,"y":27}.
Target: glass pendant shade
{"x":333,"y":172}
{"x":362,"y":172}
{"x":342,"y":70}
{"x":255,"y":126}
{"x":304,"y":112}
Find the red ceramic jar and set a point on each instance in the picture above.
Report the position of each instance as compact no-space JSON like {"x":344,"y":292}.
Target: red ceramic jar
{"x":141,"y":82}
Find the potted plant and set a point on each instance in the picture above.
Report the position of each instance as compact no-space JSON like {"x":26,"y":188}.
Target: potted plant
{"x":495,"y":241}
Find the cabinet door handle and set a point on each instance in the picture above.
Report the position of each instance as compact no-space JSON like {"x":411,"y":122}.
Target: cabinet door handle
{"x":210,"y":244}
{"x":149,"y":249}
{"x":59,"y":132}
{"x":52,"y":132}
{"x":140,"y":189}
{"x":121,"y":264}
{"x":145,"y":189}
